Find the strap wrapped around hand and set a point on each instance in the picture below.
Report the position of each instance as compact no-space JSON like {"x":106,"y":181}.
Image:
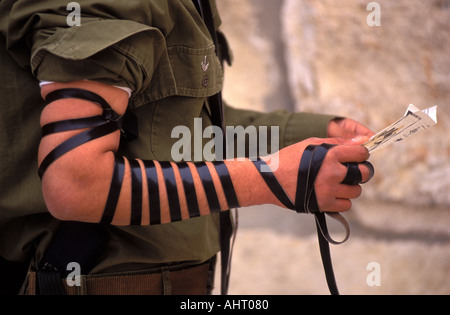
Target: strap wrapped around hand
{"x":305,"y":199}
{"x":306,"y":202}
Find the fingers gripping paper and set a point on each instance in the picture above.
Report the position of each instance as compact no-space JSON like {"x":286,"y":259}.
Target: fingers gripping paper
{"x":414,"y":121}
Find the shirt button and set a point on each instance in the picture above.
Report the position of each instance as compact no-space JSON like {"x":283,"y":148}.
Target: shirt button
{"x":205,"y":81}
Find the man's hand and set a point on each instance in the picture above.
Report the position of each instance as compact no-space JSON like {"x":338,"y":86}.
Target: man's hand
{"x":346,"y":128}
{"x":332,"y":196}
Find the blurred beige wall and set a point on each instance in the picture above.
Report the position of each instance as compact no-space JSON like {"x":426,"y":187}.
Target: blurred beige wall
{"x":321,"y":56}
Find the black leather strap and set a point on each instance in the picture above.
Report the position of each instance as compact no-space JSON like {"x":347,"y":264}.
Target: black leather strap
{"x":227,"y":184}
{"x":100,"y":126}
{"x":114,"y":191}
{"x":306,"y":202}
{"x":371,"y":170}
{"x":136,"y":193}
{"x":172,"y":191}
{"x":353,"y":176}
{"x":189,"y":190}
{"x":76,"y":141}
{"x":208,"y":185}
{"x":325,"y":254}
{"x":274,"y":185}
{"x":310,"y":164}
{"x":75,"y":241}
{"x":301,"y":195}
{"x":108,"y":112}
{"x":153,"y":192}
{"x":72,"y":124}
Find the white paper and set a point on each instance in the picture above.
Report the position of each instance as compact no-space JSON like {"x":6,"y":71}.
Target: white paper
{"x":414,"y":121}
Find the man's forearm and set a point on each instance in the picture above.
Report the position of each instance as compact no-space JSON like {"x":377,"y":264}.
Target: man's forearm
{"x":76,"y":185}
{"x":76,"y":188}
{"x":85,"y":180}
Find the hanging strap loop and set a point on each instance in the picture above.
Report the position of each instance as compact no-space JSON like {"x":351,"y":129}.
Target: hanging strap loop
{"x":306,"y":201}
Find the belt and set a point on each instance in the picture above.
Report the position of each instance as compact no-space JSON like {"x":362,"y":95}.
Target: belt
{"x":196,"y":280}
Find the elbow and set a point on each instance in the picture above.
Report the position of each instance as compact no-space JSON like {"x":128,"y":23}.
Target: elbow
{"x":60,"y":196}
{"x":75,"y":193}
{"x":61,"y":201}
{"x":65,"y":199}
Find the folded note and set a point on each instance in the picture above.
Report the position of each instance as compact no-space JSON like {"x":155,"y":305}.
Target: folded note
{"x":414,"y":121}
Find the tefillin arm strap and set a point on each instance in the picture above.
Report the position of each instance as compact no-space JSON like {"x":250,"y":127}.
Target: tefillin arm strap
{"x":168,"y":170}
{"x":73,"y":241}
{"x":110,"y":121}
{"x":305,"y":199}
{"x":59,"y":254}
{"x":99,"y":126}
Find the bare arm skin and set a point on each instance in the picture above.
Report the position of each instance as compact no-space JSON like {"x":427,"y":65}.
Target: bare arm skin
{"x":76,"y":186}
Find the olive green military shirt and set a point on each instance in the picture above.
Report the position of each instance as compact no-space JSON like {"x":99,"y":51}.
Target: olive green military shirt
{"x":156,"y":49}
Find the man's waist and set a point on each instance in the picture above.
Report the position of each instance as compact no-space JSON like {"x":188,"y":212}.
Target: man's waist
{"x":191,"y":280}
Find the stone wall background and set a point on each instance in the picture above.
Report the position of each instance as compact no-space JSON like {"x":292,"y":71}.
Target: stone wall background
{"x":321,"y":56}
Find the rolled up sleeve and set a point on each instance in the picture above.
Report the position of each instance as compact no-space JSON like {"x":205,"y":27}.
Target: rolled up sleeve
{"x":93,"y":51}
{"x":105,"y":48}
{"x":293,"y":127}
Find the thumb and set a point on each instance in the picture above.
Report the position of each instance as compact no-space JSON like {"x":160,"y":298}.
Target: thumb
{"x":358,"y":140}
{"x":339,"y":141}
